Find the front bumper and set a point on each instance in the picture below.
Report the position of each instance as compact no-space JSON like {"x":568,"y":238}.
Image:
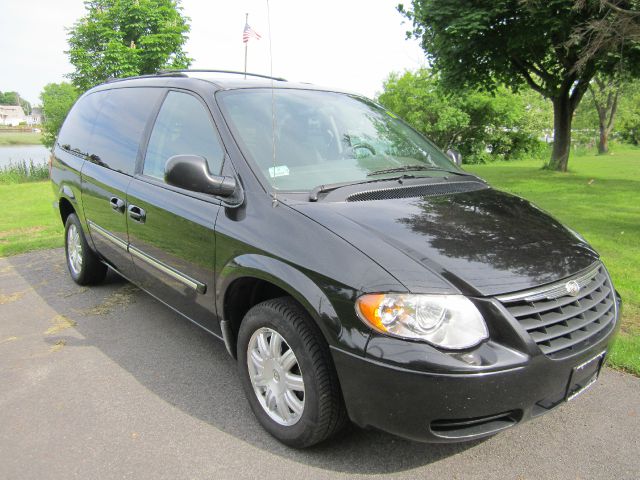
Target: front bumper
{"x":416,"y":392}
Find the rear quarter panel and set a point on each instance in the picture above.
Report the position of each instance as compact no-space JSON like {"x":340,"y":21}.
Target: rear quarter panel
{"x":66,"y":169}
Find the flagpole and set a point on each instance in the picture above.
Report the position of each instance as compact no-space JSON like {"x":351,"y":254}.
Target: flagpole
{"x":246,"y":44}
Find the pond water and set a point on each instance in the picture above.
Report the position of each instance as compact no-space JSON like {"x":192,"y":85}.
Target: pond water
{"x":18,"y":153}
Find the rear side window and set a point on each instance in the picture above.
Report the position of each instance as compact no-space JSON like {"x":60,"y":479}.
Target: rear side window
{"x":119,"y":127}
{"x":76,"y":130}
{"x":183,"y":127}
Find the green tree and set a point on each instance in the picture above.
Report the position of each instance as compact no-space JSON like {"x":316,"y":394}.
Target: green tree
{"x":542,"y":44}
{"x":120,"y":38}
{"x":420,"y":100}
{"x":605,"y":92}
{"x":481,"y":125}
{"x":57,"y":99}
{"x":14,"y":98}
{"x":608,"y":33}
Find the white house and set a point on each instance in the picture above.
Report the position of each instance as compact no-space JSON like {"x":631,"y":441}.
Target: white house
{"x":36,"y":116}
{"x":12,"y":115}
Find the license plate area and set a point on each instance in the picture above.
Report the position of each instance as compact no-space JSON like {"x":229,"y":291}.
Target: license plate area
{"x":584,"y":375}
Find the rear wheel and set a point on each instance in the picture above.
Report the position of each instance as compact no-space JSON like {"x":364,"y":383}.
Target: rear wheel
{"x":84,"y":265}
{"x":287,"y":373}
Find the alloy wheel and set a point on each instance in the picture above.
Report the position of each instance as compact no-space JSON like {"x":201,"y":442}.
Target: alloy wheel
{"x":276,"y":377}
{"x":74,"y":249}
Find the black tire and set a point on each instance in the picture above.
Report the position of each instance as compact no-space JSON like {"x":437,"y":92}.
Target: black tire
{"x":324,"y":413}
{"x":90,"y":270}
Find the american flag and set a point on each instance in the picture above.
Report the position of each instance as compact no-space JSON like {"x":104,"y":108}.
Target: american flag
{"x":248,"y":33}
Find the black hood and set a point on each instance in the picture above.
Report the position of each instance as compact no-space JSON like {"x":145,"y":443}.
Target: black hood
{"x":482,"y":243}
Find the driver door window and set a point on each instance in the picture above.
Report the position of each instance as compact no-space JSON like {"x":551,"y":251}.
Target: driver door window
{"x":183,"y":127}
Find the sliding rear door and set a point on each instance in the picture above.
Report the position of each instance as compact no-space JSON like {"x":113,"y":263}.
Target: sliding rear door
{"x":113,"y":150}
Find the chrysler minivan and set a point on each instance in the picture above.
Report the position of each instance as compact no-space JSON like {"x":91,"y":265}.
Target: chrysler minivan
{"x":355,"y":271}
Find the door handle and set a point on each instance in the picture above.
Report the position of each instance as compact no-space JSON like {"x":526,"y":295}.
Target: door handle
{"x":137,"y":213}
{"x":117,"y":204}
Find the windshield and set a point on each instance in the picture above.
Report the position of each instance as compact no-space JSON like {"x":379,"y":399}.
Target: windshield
{"x":325,"y":138}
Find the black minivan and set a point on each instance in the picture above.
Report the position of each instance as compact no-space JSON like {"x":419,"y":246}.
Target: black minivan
{"x":354,"y":270}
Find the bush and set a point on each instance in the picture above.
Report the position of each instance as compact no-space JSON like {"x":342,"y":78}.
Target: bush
{"x":22,"y":172}
{"x":628,"y":124}
{"x":629,"y":129}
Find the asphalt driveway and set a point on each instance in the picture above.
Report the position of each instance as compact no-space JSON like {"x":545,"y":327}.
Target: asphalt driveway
{"x":108,"y":383}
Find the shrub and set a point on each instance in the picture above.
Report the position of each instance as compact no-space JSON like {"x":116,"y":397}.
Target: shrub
{"x":23,"y":171}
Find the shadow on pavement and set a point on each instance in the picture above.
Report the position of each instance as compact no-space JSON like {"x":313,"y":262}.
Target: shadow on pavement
{"x":190,"y":369}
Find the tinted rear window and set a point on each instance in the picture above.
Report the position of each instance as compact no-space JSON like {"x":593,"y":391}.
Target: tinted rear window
{"x":119,"y":126}
{"x":75,"y":133}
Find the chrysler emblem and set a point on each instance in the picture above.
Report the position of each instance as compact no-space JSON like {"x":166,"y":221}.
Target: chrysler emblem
{"x":573,"y":288}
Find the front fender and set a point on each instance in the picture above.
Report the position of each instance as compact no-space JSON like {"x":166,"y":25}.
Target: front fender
{"x":289,"y":279}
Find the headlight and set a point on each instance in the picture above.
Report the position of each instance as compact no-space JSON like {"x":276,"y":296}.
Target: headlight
{"x":447,"y":321}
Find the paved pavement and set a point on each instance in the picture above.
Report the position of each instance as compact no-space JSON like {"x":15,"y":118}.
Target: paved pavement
{"x":108,"y":383}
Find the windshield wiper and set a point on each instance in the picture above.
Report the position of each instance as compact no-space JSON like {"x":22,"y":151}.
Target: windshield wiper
{"x":313,"y":194}
{"x":409,"y":168}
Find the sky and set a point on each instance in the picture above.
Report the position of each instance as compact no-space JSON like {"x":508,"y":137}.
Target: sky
{"x":348,"y":44}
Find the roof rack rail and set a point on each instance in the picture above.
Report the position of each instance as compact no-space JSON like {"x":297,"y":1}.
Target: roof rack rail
{"x":167,"y":73}
{"x":151,"y":75}
{"x":204,"y":70}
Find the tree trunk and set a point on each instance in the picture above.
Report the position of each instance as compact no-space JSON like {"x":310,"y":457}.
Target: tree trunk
{"x":605,"y":99}
{"x":603,"y":144}
{"x":562,"y":118}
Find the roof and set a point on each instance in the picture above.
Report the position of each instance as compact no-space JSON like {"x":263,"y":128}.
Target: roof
{"x":235,"y":80}
{"x":12,"y":110}
{"x":233,"y":83}
{"x":221,"y":79}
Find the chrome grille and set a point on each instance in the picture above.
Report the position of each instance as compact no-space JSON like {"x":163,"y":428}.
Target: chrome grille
{"x":562,"y":324}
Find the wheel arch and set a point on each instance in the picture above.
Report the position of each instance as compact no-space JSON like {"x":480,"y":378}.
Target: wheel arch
{"x":258,"y":278}
{"x":65,"y":208}
{"x":68,"y":203}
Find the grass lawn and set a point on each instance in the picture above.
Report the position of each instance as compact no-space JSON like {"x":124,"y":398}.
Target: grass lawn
{"x":599,"y":198}
{"x":29,"y":221}
{"x":19,"y":138}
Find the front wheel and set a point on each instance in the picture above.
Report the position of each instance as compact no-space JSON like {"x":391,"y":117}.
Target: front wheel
{"x":287,"y":373}
{"x":84,"y":265}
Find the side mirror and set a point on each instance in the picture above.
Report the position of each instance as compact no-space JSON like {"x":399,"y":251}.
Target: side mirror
{"x":192,"y":173}
{"x":455,"y":156}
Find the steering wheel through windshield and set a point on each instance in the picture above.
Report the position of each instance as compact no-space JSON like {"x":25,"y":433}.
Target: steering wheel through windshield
{"x":363,"y":146}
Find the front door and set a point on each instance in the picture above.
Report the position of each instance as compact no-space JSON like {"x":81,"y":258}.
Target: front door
{"x":171,"y":230}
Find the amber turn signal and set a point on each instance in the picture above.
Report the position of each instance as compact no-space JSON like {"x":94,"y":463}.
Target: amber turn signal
{"x":369,"y":309}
